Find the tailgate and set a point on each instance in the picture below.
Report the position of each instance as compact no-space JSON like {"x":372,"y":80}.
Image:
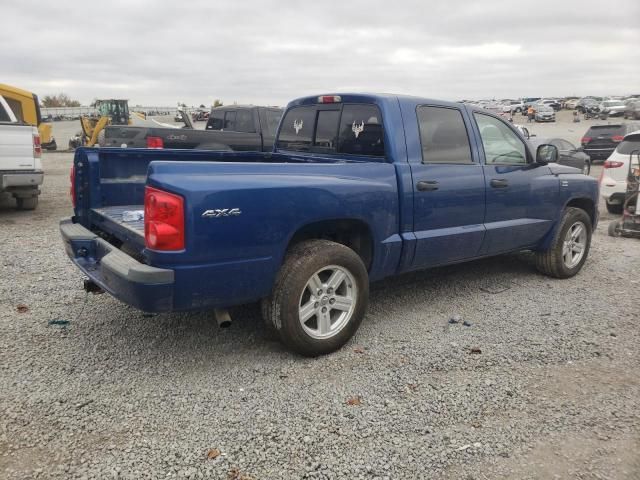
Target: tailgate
{"x":16,"y":147}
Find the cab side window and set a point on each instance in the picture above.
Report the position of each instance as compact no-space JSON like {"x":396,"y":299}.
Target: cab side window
{"x":443,"y":135}
{"x":230,"y":120}
{"x":4,"y":116}
{"x":244,"y":122}
{"x":501,"y":145}
{"x":216,"y":120}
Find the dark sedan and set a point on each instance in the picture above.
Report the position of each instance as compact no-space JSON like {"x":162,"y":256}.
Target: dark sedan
{"x":568,"y":154}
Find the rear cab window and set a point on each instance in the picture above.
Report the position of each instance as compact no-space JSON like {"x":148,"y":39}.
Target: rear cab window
{"x":346,"y":129}
{"x":631,"y":144}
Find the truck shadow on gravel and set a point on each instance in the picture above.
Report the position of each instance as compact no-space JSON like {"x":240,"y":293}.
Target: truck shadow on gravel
{"x":110,"y":324}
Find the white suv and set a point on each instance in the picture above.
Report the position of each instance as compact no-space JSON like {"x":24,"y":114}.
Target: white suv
{"x":613,"y":180}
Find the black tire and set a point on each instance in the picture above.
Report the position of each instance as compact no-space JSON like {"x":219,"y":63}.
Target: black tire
{"x":614,"y":208}
{"x":281,"y":309}
{"x":27,"y":203}
{"x":550,"y":262}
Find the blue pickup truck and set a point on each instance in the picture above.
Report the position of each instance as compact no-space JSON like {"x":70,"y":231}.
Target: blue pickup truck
{"x":358,"y":187}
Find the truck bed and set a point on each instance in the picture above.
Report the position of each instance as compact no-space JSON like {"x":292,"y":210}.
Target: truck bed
{"x":109,"y":219}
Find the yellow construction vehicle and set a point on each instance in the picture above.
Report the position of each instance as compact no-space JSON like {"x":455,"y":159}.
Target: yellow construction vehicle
{"x":26,"y":107}
{"x":110,"y":112}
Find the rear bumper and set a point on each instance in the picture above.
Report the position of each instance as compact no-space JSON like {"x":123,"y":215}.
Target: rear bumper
{"x":599,"y":153}
{"x":27,"y":178}
{"x":147,"y":288}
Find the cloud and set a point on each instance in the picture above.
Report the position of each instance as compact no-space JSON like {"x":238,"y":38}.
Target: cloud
{"x":270,"y":51}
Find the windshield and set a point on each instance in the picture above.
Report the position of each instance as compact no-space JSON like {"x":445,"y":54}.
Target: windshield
{"x":613,"y":103}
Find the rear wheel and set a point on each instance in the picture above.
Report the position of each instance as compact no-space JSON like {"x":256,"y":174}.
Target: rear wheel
{"x":586,"y":169}
{"x":569,"y":247}
{"x":614,"y":208}
{"x":319,"y":298}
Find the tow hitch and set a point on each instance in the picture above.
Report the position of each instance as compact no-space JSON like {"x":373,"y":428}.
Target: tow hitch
{"x":90,"y":286}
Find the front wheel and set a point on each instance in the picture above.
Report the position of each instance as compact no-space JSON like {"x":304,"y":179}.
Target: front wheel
{"x":586,"y":169}
{"x":319,"y":297}
{"x":569,"y":247}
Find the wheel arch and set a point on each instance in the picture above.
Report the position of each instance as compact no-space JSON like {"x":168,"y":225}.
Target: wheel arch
{"x":586,"y":204}
{"x":350,"y":232}
{"x":583,"y":203}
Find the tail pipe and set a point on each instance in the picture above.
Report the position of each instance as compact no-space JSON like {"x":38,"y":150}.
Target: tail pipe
{"x":222,"y":317}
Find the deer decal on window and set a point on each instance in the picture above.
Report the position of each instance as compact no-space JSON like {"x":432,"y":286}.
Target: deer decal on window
{"x":297,"y":125}
{"x":357,"y":129}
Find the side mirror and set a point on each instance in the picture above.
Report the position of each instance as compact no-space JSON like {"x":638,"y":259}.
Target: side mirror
{"x":546,"y":153}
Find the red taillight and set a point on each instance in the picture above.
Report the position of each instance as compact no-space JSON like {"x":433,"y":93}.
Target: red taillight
{"x":612,"y":164}
{"x":37,"y":146}
{"x":155,"y":142}
{"x":163,"y":220}
{"x":617,"y":138}
{"x":72,"y":188}
{"x":329,"y":99}
{"x":585,"y":140}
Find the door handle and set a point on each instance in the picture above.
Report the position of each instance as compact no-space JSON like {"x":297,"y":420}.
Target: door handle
{"x":427,"y":186}
{"x":499,"y":183}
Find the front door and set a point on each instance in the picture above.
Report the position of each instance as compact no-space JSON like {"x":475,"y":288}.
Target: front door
{"x":448,"y":186}
{"x":522,"y":196}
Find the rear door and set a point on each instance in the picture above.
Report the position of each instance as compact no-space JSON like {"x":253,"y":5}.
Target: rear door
{"x":16,"y":141}
{"x":522,"y":196}
{"x":448,"y":185}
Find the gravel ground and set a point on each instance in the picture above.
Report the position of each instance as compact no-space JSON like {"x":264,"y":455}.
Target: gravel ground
{"x":543,"y":384}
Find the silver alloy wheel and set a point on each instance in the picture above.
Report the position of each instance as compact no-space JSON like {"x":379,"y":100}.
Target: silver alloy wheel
{"x":586,"y":169}
{"x":327,"y":302}
{"x":575,"y":244}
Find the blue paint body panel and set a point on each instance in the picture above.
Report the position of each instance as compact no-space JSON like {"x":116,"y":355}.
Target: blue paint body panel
{"x":233,"y":260}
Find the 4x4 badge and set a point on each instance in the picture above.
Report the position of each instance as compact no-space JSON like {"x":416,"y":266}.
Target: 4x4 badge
{"x":221,"y":212}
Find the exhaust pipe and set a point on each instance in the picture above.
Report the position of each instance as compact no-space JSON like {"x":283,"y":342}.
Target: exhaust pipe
{"x":222,"y":317}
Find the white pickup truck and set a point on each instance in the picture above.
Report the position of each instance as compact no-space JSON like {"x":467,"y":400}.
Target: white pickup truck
{"x":20,"y":165}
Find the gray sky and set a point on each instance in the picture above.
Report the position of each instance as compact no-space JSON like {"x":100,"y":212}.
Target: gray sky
{"x":268,"y":52}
